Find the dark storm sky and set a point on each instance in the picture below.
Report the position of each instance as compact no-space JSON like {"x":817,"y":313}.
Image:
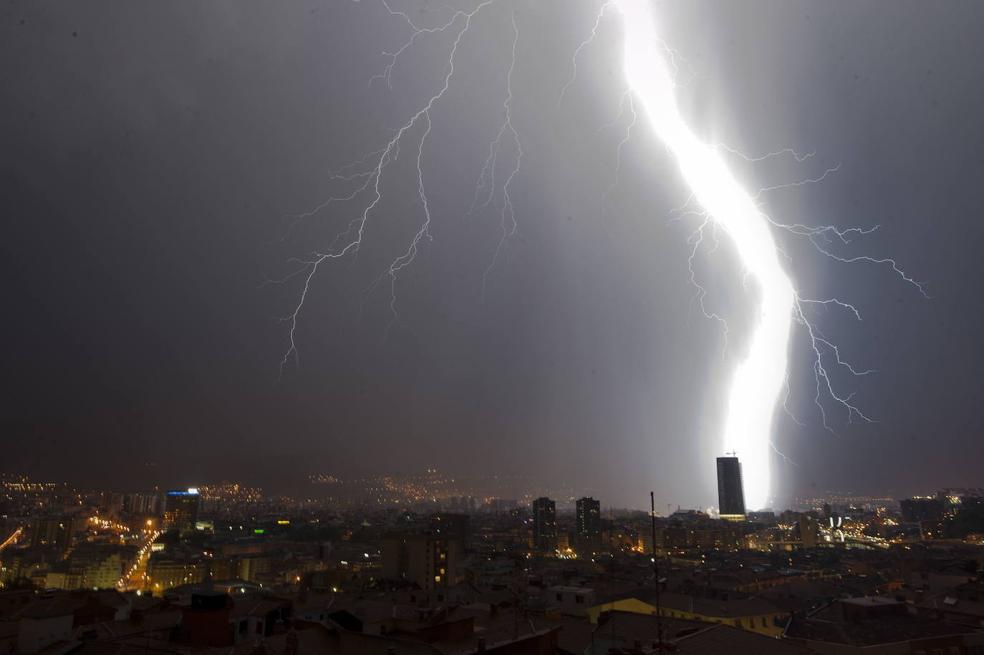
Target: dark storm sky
{"x":149,"y":152}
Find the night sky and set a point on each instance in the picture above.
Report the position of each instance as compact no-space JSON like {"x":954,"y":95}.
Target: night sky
{"x":151,"y":152}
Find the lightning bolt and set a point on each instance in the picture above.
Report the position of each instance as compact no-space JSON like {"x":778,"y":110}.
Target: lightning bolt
{"x":350,"y":240}
{"x":716,"y":198}
{"x":581,"y":46}
{"x":758,"y":380}
{"x":486,"y":180}
{"x":625,"y":102}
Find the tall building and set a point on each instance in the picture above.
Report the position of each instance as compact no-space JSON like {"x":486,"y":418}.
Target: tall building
{"x":429,"y":560}
{"x":53,"y":531}
{"x":181,"y":510}
{"x":143,"y":504}
{"x":809,"y":531}
{"x":915,"y":510}
{"x":454,"y":526}
{"x":731,"y":495}
{"x":587,"y":529}
{"x":544,"y":524}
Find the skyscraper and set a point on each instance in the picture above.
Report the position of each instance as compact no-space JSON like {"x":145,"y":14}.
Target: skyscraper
{"x":456,"y":526}
{"x":143,"y":504}
{"x":544,"y":524}
{"x":181,"y":510}
{"x":53,"y":532}
{"x":587,"y":535}
{"x":430,"y":559}
{"x":731,"y":495}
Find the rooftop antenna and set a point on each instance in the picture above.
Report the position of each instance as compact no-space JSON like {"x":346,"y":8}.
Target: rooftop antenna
{"x":659,"y":611}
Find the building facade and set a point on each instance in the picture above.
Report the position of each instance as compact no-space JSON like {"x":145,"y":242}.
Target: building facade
{"x":428,"y":560}
{"x":53,"y":532}
{"x":181,"y":510}
{"x":544,"y":524}
{"x":731,"y":493}
{"x":587,"y":528}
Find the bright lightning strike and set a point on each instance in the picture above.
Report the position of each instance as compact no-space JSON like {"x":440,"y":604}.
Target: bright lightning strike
{"x":759,"y":379}
{"x":650,"y":69}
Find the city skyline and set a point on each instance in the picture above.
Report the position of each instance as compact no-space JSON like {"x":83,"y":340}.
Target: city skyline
{"x":410,"y":568}
{"x":433,"y":488}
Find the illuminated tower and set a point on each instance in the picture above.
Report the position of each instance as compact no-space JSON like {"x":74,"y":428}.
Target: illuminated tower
{"x":731,"y":495}
{"x":181,"y":510}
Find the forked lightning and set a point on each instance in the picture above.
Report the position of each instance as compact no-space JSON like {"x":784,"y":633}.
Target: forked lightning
{"x":715,"y":197}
